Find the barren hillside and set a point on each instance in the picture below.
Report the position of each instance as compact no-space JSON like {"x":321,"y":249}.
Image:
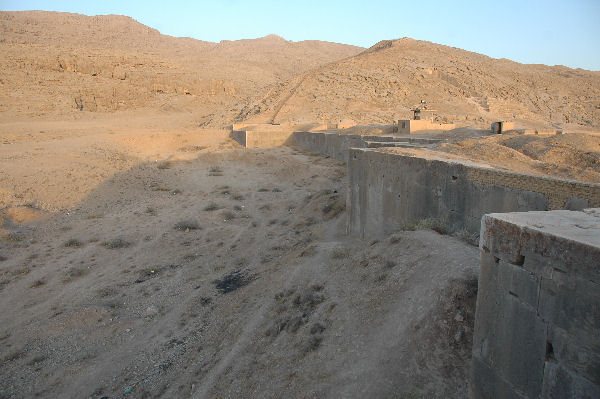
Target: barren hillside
{"x":384,"y":82}
{"x":57,"y":63}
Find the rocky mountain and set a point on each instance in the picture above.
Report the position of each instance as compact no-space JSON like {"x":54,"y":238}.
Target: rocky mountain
{"x":385,"y":82}
{"x":64,"y":63}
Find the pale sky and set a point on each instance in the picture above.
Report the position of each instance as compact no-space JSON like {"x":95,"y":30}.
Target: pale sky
{"x":547,"y":32}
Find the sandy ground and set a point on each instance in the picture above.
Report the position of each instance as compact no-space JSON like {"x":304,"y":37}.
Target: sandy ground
{"x":226,"y":273}
{"x":144,"y":256}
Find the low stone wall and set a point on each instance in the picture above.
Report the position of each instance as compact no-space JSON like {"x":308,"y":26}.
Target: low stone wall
{"x":329,"y":144}
{"x":410,"y":126}
{"x":388,"y":192}
{"x":337,"y":146}
{"x":261,"y":138}
{"x":537,"y":323}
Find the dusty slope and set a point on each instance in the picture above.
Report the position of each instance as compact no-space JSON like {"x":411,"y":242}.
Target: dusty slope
{"x":383,"y":83}
{"x":570,"y":156}
{"x":260,"y":295}
{"x":53,"y":63}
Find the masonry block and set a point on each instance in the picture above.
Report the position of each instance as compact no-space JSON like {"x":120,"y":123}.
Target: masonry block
{"x":560,"y":383}
{"x":537,"y":320}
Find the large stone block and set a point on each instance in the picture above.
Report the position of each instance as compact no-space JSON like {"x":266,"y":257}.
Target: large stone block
{"x":572,"y":304}
{"x":561,"y":383}
{"x":509,"y":337}
{"x":580,"y":352}
{"x":537,"y":322}
{"x":486,"y":383}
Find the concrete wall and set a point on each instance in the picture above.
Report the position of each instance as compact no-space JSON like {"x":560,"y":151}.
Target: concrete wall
{"x":261,"y":138}
{"x":389,"y":191}
{"x":537,"y":323}
{"x":328,"y":144}
{"x":409,"y":126}
{"x":338,"y":145}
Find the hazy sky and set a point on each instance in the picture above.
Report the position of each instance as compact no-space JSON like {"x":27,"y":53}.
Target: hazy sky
{"x":530,"y":31}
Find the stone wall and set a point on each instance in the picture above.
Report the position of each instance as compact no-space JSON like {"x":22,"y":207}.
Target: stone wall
{"x":537,"y":323}
{"x":329,"y":144}
{"x":337,"y":146}
{"x":410,"y":126}
{"x":261,"y":138}
{"x":388,"y":192}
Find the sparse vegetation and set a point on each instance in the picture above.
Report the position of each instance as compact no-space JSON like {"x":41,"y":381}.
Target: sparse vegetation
{"x":468,"y":237}
{"x":395,"y":238}
{"x":116,"y":243}
{"x":340,"y":253}
{"x":164,"y":164}
{"x":232,"y":281}
{"x":15,"y":236}
{"x":228,"y":215}
{"x":73,"y":242}
{"x":215,"y":171}
{"x":151,"y":211}
{"x":37,"y":283}
{"x":436,"y":224}
{"x":212,"y":207}
{"x":187,"y":225}
{"x":73,"y":273}
{"x":192,"y":148}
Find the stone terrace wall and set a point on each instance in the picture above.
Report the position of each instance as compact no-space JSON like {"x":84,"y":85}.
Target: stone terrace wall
{"x":388,"y":192}
{"x":328,"y":144}
{"x":261,"y":138}
{"x":337,"y":146}
{"x":410,"y":126}
{"x":537,"y":323}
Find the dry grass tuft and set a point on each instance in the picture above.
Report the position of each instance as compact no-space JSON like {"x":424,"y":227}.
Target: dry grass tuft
{"x":73,"y":242}
{"x":116,"y":243}
{"x":187,"y":225}
{"x":212,"y":207}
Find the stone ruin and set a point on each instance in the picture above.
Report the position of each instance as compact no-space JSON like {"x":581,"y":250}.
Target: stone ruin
{"x":537,"y":325}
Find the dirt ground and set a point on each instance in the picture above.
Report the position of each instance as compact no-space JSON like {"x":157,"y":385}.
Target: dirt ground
{"x":144,"y":254}
{"x":225,"y":272}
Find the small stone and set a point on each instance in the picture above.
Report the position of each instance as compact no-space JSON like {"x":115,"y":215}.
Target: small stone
{"x":459,"y":317}
{"x":458,"y":336}
{"x":151,"y":311}
{"x":128,"y":390}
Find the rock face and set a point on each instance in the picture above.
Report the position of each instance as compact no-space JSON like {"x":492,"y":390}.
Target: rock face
{"x":57,"y":63}
{"x":386,"y":82}
{"x":537,"y":327}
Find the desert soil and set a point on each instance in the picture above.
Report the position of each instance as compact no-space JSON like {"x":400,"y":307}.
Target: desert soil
{"x":225,"y":272}
{"x":144,"y":254}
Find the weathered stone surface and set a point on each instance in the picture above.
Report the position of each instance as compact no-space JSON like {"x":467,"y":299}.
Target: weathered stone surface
{"x":537,"y":322}
{"x":413,"y":185}
{"x":560,"y":383}
{"x":485,"y":383}
{"x":568,"y":240}
{"x":520,"y":283}
{"x":579,"y":351}
{"x":509,"y":337}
